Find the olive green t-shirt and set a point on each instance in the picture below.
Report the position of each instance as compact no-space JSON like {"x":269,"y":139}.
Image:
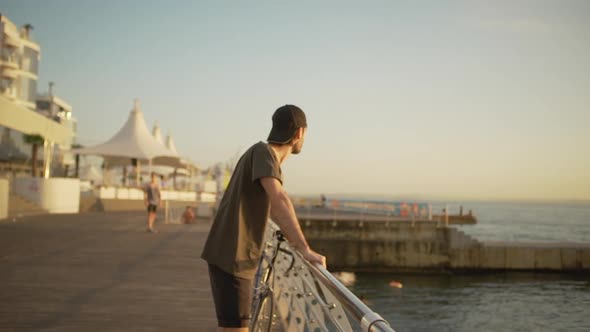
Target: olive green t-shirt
{"x":235,"y":240}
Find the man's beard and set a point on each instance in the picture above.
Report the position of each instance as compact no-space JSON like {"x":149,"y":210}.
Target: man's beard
{"x":296,"y":148}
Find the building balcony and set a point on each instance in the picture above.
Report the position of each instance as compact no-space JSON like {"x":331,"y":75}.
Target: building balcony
{"x":26,"y":104}
{"x":31,"y":44}
{"x":9,"y":73}
{"x":11,"y":40}
{"x":8,"y":92}
{"x":8,"y":62}
{"x":28,"y":74}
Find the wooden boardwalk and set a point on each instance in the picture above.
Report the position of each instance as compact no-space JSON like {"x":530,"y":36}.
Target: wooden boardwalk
{"x":103,"y":272}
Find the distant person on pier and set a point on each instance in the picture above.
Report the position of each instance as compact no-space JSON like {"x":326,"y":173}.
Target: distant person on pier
{"x":234,"y":245}
{"x":323,"y":200}
{"x":152,"y":200}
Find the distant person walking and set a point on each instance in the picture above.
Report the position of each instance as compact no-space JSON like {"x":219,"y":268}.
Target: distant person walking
{"x":152,"y":200}
{"x":255,"y":191}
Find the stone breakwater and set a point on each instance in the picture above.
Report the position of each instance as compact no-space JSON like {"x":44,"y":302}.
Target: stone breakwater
{"x":405,"y":245}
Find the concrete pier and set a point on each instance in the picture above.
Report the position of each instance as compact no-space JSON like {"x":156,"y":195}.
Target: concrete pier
{"x":402,"y":245}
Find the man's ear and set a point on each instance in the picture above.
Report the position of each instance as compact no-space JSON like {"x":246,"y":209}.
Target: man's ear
{"x":299,"y":133}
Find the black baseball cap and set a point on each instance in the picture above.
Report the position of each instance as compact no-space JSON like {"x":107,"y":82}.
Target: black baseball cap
{"x":285,"y":122}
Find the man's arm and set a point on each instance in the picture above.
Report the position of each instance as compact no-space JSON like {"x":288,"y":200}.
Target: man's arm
{"x":283,"y":213}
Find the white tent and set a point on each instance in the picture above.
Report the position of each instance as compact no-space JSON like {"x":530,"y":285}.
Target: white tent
{"x":133,"y":141}
{"x":90,"y":173}
{"x":170,"y":144}
{"x":157,"y":133}
{"x":165,"y":161}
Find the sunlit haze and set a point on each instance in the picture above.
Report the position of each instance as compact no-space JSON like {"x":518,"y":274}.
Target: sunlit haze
{"x":468,"y":100}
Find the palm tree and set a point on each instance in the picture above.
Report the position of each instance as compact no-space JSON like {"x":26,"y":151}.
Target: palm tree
{"x":35,"y":140}
{"x":77,"y":171}
{"x":28,"y":27}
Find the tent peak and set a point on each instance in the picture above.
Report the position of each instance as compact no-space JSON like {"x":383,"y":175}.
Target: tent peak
{"x":133,"y":140}
{"x":170,"y":144}
{"x":157,"y":133}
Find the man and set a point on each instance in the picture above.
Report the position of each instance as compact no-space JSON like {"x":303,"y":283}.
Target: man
{"x":152,"y":200}
{"x":234,"y":245}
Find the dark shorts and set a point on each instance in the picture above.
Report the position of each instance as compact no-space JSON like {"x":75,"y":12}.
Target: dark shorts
{"x":232,"y":297}
{"x":152,"y":208}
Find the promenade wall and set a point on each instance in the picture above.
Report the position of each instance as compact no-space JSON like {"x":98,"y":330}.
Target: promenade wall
{"x":56,"y":195}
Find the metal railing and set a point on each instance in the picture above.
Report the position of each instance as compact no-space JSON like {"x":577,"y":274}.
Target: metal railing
{"x":308,"y":297}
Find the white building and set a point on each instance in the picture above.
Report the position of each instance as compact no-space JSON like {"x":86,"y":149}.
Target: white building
{"x":19,"y":65}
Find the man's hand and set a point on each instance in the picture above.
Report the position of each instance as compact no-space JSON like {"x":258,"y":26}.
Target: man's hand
{"x":313,"y":257}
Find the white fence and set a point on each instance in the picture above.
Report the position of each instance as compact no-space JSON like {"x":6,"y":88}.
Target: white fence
{"x":137,"y":194}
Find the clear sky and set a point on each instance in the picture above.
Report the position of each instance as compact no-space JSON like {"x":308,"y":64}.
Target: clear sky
{"x":455,"y":99}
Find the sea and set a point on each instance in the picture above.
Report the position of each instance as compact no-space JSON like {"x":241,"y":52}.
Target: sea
{"x":513,"y":301}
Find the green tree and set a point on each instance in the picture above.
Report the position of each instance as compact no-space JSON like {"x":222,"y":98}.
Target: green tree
{"x":35,"y":141}
{"x":77,"y":170}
